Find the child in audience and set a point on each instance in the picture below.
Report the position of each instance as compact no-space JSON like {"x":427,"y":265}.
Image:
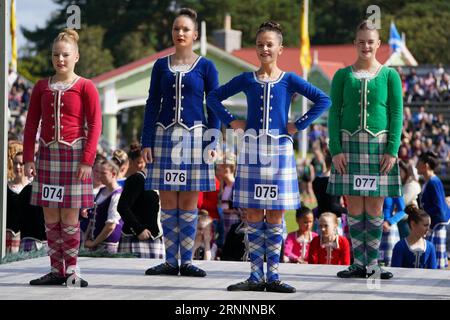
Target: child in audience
{"x":415,"y":251}
{"x":297,"y":242}
{"x":329,"y":247}
{"x":106,"y":225}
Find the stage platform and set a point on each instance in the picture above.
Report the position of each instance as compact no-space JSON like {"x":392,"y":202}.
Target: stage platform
{"x":123,"y":279}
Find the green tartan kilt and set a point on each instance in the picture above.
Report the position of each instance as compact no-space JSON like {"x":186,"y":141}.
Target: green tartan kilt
{"x":363,"y":153}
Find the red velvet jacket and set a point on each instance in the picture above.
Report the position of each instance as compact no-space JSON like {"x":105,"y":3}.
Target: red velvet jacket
{"x":64,"y":114}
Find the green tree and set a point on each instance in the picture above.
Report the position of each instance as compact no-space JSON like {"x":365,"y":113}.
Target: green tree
{"x":426,"y":26}
{"x":94,"y":58}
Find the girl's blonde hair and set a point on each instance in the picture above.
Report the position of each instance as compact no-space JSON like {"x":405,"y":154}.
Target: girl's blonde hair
{"x":14,"y":147}
{"x":330,"y":215}
{"x":120,"y":157}
{"x":112,"y":165}
{"x":68,"y":35}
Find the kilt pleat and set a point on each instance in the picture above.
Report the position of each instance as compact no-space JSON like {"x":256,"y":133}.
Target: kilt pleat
{"x":364,"y":153}
{"x":57,"y":165}
{"x":177,"y":148}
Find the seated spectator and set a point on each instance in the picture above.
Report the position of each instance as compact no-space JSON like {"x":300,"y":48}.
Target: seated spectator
{"x":414,"y":251}
{"x":329,"y":247}
{"x":121,"y":158}
{"x":32,"y":223}
{"x":225,"y":173}
{"x":140,"y":211}
{"x":236,"y":242}
{"x":13,"y":208}
{"x":297,"y":243}
{"x":307,"y":175}
{"x":393,"y":211}
{"x":204,"y":246}
{"x":209,"y":201}
{"x":105,"y":227}
{"x":96,"y":176}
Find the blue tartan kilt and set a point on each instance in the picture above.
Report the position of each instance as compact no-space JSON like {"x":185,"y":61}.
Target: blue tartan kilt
{"x":388,"y":241}
{"x":439,"y":237}
{"x":264,"y":162}
{"x":177,"y":148}
{"x":147,"y":249}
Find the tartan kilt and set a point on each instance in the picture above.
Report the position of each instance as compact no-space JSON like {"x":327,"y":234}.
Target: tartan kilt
{"x":176,"y":155}
{"x":147,"y":249}
{"x":12,"y":241}
{"x":32,"y":244}
{"x":363,"y":153}
{"x":267,"y":161}
{"x":57,"y":165}
{"x":109,"y":247}
{"x":388,"y":241}
{"x":439,"y":237}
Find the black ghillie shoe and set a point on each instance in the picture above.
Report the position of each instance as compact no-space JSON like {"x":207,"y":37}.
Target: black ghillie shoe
{"x":74,"y":281}
{"x":374,"y":270}
{"x":50,"y":279}
{"x":278,"y":286}
{"x":248,"y":285}
{"x":353,"y":271}
{"x":190,"y":270}
{"x":163,"y":268}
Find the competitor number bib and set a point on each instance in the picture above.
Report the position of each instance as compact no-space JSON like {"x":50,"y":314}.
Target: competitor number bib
{"x":175,"y":177}
{"x":52,"y":193}
{"x":365,"y":183}
{"x":266,"y":192}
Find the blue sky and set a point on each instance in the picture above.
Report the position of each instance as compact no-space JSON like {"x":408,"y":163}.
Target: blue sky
{"x":31,"y":14}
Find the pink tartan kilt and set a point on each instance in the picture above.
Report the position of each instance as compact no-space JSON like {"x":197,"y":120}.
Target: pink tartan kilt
{"x":57,"y":165}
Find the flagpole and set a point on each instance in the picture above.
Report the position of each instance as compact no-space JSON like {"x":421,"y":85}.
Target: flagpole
{"x":3,"y":125}
{"x":12,"y":28}
{"x":305,"y":61}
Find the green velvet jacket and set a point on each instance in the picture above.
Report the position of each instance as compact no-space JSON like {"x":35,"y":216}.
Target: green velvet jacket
{"x":373,"y":105}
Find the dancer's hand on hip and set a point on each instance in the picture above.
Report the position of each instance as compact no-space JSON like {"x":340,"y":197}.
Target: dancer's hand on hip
{"x":292,"y":128}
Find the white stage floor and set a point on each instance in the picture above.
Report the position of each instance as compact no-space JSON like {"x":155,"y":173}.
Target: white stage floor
{"x":123,"y":279}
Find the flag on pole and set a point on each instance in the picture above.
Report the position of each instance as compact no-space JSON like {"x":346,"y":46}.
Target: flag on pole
{"x":395,"y":41}
{"x":305,"y":57}
{"x":13,"y":36}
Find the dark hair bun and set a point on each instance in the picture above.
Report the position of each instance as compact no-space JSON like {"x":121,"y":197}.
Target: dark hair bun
{"x":415,"y":214}
{"x":271,"y":25}
{"x":135,"y":147}
{"x":188,"y":12}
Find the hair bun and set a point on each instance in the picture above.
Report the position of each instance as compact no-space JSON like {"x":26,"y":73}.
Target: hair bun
{"x":188,"y":12}
{"x":135,"y":147}
{"x":71,"y":33}
{"x":271,"y":25}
